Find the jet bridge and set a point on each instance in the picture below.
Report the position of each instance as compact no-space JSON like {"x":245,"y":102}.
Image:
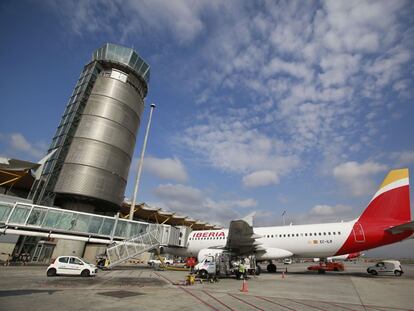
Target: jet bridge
{"x":129,"y":238}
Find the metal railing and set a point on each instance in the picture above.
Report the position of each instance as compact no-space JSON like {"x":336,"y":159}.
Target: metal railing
{"x":25,"y":216}
{"x":127,"y":249}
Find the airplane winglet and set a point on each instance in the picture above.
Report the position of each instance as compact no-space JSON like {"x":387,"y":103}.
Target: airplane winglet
{"x":249,"y":218}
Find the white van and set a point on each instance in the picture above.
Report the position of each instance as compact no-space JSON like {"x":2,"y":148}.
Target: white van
{"x":287,"y":261}
{"x":386,"y":267}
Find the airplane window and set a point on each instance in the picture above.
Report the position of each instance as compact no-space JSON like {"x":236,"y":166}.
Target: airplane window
{"x":315,"y":233}
{"x":324,"y":233}
{"x":288,"y":235}
{"x":320,"y":233}
{"x":306,"y":234}
{"x":310,"y":234}
{"x":339,"y":232}
{"x":329,"y":233}
{"x":280,"y":235}
{"x":297,"y":234}
{"x":334,"y":233}
{"x":301,"y":234}
{"x":284,"y":235}
{"x":272,"y":235}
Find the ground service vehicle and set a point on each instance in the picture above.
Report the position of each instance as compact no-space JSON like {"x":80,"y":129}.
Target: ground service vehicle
{"x":153,"y":262}
{"x":287,"y":261}
{"x":327,"y":266}
{"x":71,"y":265}
{"x":386,"y":267}
{"x":223,"y":265}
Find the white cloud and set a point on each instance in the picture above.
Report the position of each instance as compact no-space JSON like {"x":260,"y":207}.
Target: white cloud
{"x":182,"y":19}
{"x":403,"y":157}
{"x":358,"y":177}
{"x":18,"y":146}
{"x":167,"y":168}
{"x":180,"y":194}
{"x":322,"y":213}
{"x":193,"y":202}
{"x":260,"y":178}
{"x":327,"y":210}
{"x":233,"y":146}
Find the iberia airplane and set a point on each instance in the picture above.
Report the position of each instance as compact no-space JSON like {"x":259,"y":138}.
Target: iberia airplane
{"x":386,"y":220}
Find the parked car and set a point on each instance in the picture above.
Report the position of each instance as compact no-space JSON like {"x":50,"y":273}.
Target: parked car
{"x":386,"y":267}
{"x":327,"y":266}
{"x":153,"y":262}
{"x":71,"y":265}
{"x":287,"y":261}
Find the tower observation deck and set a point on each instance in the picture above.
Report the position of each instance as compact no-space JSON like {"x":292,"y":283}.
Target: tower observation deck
{"x":94,"y":142}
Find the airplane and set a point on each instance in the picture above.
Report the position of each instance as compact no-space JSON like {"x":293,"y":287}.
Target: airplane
{"x":386,"y":220}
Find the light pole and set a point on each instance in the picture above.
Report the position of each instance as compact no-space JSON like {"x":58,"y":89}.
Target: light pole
{"x":141,"y":161}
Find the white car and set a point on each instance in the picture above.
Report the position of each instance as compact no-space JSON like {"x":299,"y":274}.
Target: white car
{"x":386,"y":267}
{"x":287,"y":261}
{"x":71,"y":265}
{"x":153,"y":262}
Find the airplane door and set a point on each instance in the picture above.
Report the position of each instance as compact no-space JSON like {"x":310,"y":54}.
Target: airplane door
{"x":358,"y":233}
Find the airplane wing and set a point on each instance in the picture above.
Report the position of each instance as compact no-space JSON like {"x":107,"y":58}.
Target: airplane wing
{"x":409,"y":226}
{"x":241,"y":238}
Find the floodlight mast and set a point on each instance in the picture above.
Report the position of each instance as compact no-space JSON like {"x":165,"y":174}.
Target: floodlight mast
{"x":141,"y":161}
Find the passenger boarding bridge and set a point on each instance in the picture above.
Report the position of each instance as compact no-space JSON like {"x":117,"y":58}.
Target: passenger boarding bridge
{"x":127,"y":238}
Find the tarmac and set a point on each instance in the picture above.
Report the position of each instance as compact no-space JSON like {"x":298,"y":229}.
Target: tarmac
{"x":141,"y":288}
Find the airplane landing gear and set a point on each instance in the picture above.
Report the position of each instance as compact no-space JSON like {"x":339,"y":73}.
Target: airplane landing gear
{"x":271,"y":267}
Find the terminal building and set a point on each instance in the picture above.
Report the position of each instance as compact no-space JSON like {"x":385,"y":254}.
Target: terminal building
{"x":87,"y":164}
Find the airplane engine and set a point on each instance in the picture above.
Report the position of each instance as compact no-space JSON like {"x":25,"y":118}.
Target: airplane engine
{"x":273,"y":253}
{"x":203,"y":253}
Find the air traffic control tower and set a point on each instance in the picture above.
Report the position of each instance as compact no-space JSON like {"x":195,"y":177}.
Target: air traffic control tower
{"x":94,"y":142}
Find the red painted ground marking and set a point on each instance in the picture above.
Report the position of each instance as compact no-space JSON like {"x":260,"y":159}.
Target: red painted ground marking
{"x":247,"y":303}
{"x":305,"y":304}
{"x":271,"y":301}
{"x":188,"y":292}
{"x":199,"y":299}
{"x":216,"y":299}
{"x":340,"y":306}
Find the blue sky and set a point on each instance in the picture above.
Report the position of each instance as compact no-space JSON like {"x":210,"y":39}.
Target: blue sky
{"x":261,"y":105}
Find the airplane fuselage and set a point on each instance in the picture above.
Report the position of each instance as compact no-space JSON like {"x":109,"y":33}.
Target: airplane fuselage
{"x":307,"y":241}
{"x":319,"y":240}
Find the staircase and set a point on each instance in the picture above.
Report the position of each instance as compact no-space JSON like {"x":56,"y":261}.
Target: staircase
{"x":130,"y":248}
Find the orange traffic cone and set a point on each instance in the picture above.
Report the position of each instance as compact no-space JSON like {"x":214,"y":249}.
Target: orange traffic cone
{"x":244,"y":288}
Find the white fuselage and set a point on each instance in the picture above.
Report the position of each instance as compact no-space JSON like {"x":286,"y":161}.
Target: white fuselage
{"x":316,"y":240}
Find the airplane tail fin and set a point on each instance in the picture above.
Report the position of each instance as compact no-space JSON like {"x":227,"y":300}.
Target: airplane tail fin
{"x":391,"y":203}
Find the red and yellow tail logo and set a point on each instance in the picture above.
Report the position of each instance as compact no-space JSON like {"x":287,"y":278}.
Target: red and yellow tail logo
{"x":392,"y":200}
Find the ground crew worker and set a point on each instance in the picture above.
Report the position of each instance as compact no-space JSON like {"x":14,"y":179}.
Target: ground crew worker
{"x":190,"y":263}
{"x":242,"y":270}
